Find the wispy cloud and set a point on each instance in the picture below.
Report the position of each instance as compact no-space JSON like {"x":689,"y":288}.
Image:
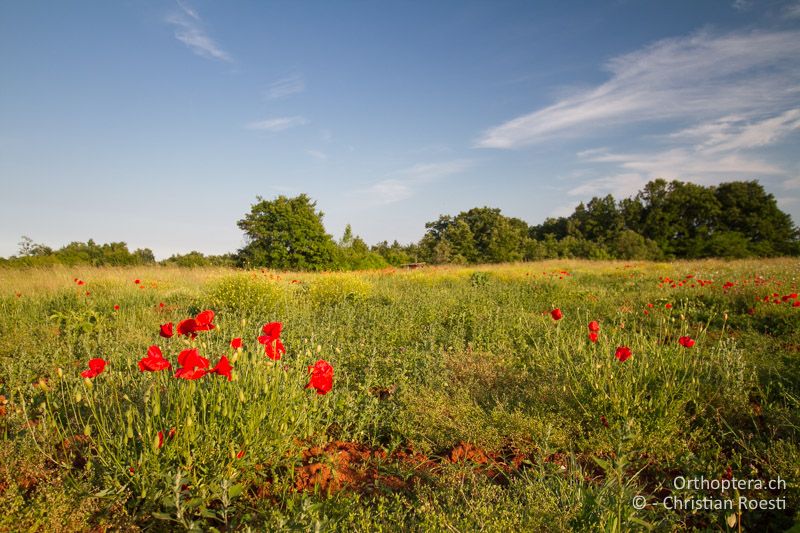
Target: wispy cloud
{"x":316,"y":154}
{"x":633,"y":170}
{"x":190,"y":30}
{"x":742,"y":5}
{"x":620,"y":185}
{"x":734,"y":133}
{"x":703,"y":76}
{"x":277,"y":124}
{"x":403,"y":184}
{"x":792,"y":11}
{"x":285,"y":87}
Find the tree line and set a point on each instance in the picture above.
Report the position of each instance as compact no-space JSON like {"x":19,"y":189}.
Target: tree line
{"x":665,"y":220}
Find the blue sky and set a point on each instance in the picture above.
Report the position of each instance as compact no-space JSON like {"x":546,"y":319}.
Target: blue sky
{"x":158,"y":123}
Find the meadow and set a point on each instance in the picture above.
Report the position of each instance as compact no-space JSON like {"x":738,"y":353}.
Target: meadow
{"x":545,"y":396}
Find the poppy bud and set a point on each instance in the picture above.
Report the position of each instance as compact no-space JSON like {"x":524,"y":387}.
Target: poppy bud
{"x":87,"y":430}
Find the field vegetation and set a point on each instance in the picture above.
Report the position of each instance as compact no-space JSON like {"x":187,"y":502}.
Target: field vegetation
{"x":541,"y":396}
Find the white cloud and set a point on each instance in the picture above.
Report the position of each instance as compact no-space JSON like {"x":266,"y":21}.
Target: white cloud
{"x":316,"y":154}
{"x":703,"y":167}
{"x":702,"y":76}
{"x":403,"y":184}
{"x":620,"y":185}
{"x":190,"y":31}
{"x":285,"y":87}
{"x":735,"y":133}
{"x":277,"y":124}
{"x":792,"y":11}
{"x":563,"y":210}
{"x":791,"y":183}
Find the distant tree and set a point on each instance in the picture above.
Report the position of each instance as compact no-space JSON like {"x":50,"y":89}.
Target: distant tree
{"x":480,"y":235}
{"x":192,"y":259}
{"x":286,"y":233}
{"x":630,"y":245}
{"x":144,"y":256}
{"x":747,"y":210}
{"x":353,"y":253}
{"x":395,"y":254}
{"x":28,"y":248}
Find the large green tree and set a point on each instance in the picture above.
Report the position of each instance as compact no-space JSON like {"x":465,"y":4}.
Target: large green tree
{"x":286,"y":233}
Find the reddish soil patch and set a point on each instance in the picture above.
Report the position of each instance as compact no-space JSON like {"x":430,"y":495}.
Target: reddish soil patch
{"x":342,"y":465}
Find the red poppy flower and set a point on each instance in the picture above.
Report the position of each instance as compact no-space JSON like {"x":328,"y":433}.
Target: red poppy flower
{"x":223,"y":368}
{"x":796,"y":303}
{"x":166,"y":330}
{"x":240,"y":454}
{"x":594,"y":326}
{"x":623,"y":353}
{"x":650,"y":305}
{"x":686,"y":342}
{"x":668,"y":306}
{"x":321,"y":377}
{"x":137,"y":281}
{"x":161,"y":305}
{"x":154,"y":361}
{"x":593,"y":336}
{"x":116,"y":308}
{"x":171,"y":433}
{"x":81,"y":282}
{"x":202,"y":322}
{"x":96,"y":367}
{"x":236,"y":343}
{"x":160,"y":439}
{"x":556,"y":314}
{"x":273,"y":329}
{"x":187,"y":327}
{"x":273,"y":347}
{"x":193,"y":366}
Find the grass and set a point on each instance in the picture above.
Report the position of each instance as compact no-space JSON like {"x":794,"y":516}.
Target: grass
{"x":458,"y":402}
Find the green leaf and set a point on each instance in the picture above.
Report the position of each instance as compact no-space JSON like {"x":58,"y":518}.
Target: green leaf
{"x":235,"y":490}
{"x":194,"y":502}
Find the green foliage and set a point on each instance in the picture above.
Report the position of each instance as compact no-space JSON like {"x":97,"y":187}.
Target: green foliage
{"x":286,"y":233}
{"x":678,"y":220}
{"x":197,"y":259}
{"x":423,"y":360}
{"x":247,"y":291}
{"x":397,"y":254}
{"x":353,"y":253}
{"x":480,"y":235}
{"x":331,"y":289}
{"x":79,"y":253}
